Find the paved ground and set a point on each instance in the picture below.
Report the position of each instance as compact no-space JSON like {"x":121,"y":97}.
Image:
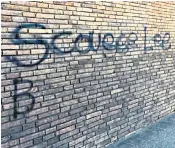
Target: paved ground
{"x":158,"y":135}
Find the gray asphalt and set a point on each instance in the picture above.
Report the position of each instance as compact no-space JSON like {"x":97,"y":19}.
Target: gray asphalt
{"x":158,"y":135}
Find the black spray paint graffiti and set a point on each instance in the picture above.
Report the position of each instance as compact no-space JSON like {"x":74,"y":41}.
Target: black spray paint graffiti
{"x":119,"y":46}
{"x":25,"y":93}
{"x":158,"y":41}
{"x":19,"y":41}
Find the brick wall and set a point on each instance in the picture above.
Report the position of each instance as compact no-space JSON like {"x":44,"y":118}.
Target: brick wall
{"x":83,"y":74}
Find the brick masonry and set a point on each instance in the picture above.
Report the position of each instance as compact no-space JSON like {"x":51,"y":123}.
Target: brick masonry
{"x":84,"y":96}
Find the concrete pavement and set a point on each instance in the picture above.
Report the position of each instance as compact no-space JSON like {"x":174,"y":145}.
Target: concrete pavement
{"x":158,"y":135}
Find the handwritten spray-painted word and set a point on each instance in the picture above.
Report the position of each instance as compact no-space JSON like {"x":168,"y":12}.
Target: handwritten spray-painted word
{"x":119,"y":45}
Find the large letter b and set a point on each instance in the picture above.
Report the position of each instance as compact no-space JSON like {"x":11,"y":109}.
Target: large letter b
{"x":25,"y":93}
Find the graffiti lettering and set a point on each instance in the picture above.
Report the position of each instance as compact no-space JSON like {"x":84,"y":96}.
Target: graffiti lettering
{"x":122,"y":44}
{"x":158,"y":41}
{"x":56,"y":49}
{"x":25,"y":93}
{"x":18,"y":41}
